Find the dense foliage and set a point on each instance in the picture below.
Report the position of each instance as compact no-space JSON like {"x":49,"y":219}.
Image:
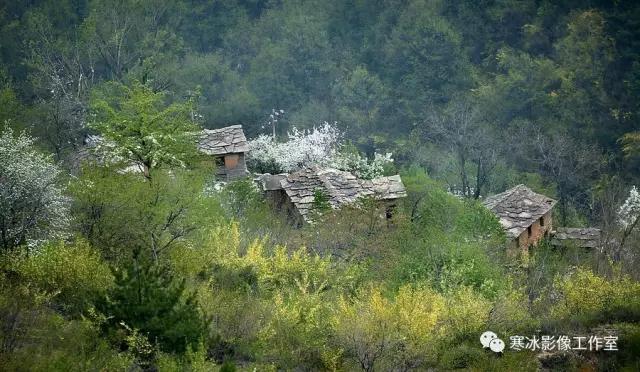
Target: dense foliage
{"x":118,"y":251}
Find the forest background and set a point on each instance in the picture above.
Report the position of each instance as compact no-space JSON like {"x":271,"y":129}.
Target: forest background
{"x":470,"y":97}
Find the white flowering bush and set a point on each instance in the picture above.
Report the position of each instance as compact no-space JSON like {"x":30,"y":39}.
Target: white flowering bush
{"x":304,"y":148}
{"x":629,"y":212}
{"x":320,"y":146}
{"x":32,"y":205}
{"x":360,"y":165}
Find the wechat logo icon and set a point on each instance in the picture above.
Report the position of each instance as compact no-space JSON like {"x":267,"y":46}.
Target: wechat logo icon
{"x":490,"y":340}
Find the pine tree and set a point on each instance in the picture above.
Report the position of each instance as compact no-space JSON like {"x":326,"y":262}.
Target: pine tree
{"x":147,"y":298}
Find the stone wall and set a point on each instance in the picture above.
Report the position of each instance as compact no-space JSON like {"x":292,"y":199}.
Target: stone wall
{"x":532,"y":235}
{"x":231,"y":167}
{"x":537,"y":231}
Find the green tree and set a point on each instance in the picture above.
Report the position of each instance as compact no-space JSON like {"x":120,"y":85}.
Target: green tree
{"x":320,"y":201}
{"x":460,"y":129}
{"x":524,"y":87}
{"x":226,"y":97}
{"x":137,"y":39}
{"x":143,"y":127}
{"x":146,"y":297}
{"x":120,"y":213}
{"x":585,"y":54}
{"x":288,"y":55}
{"x":631,"y":144}
{"x":10,"y":105}
{"x":360,"y":98}
{"x":424,"y":59}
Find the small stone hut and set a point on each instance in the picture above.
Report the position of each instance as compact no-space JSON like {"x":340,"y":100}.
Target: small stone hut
{"x":294,"y":193}
{"x":524,"y":215}
{"x":587,"y":237}
{"x":228,"y":146}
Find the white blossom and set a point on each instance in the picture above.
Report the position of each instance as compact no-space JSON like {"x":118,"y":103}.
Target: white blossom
{"x":360,"y":165}
{"x":629,"y":212}
{"x":319,"y":146}
{"x":302,"y":149}
{"x":32,"y":205}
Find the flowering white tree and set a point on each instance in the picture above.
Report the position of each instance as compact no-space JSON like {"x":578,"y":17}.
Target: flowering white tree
{"x":629,"y":214}
{"x":303,"y":148}
{"x":320,"y":146}
{"x":32,"y":205}
{"x":360,"y":165}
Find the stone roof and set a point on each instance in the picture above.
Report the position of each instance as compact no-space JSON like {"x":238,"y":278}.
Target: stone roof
{"x":518,"y":208}
{"x":588,"y":237}
{"x":341,"y":188}
{"x":227,"y":140}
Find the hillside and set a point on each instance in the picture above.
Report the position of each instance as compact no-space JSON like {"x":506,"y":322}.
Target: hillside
{"x":302,"y":185}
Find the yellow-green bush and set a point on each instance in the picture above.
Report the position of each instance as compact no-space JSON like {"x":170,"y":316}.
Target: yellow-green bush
{"x":297,"y":330}
{"x":193,"y":361}
{"x":283,"y":270}
{"x":587,"y":297}
{"x":296,"y":309}
{"x":375,"y":331}
{"x":272,"y":303}
{"x":467,"y":314}
{"x":35,"y":337}
{"x":461,"y":356}
{"x":511,"y":314}
{"x":237,"y":318}
{"x":73,"y":273}
{"x":278,"y":269}
{"x":222,"y":246}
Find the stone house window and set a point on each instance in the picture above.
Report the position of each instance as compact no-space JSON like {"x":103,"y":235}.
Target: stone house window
{"x":529,"y":231}
{"x":219,"y":162}
{"x":542,"y":221}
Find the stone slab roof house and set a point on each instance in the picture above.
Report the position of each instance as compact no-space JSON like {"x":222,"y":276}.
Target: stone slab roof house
{"x":526,"y":218}
{"x":294,"y":192}
{"x":524,"y":215}
{"x":228,"y":146}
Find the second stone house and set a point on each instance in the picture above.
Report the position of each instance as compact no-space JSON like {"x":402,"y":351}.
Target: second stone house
{"x":525,"y":215}
{"x":294,"y":193}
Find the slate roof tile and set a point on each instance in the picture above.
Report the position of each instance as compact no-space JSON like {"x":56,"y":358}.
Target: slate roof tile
{"x":518,"y":208}
{"x":341,"y":187}
{"x":227,"y":140}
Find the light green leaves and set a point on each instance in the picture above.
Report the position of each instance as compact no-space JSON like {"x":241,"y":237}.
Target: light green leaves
{"x":144,"y":128}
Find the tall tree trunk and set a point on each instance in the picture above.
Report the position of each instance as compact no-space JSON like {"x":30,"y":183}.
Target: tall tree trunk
{"x":479,"y":179}
{"x":463,"y":174}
